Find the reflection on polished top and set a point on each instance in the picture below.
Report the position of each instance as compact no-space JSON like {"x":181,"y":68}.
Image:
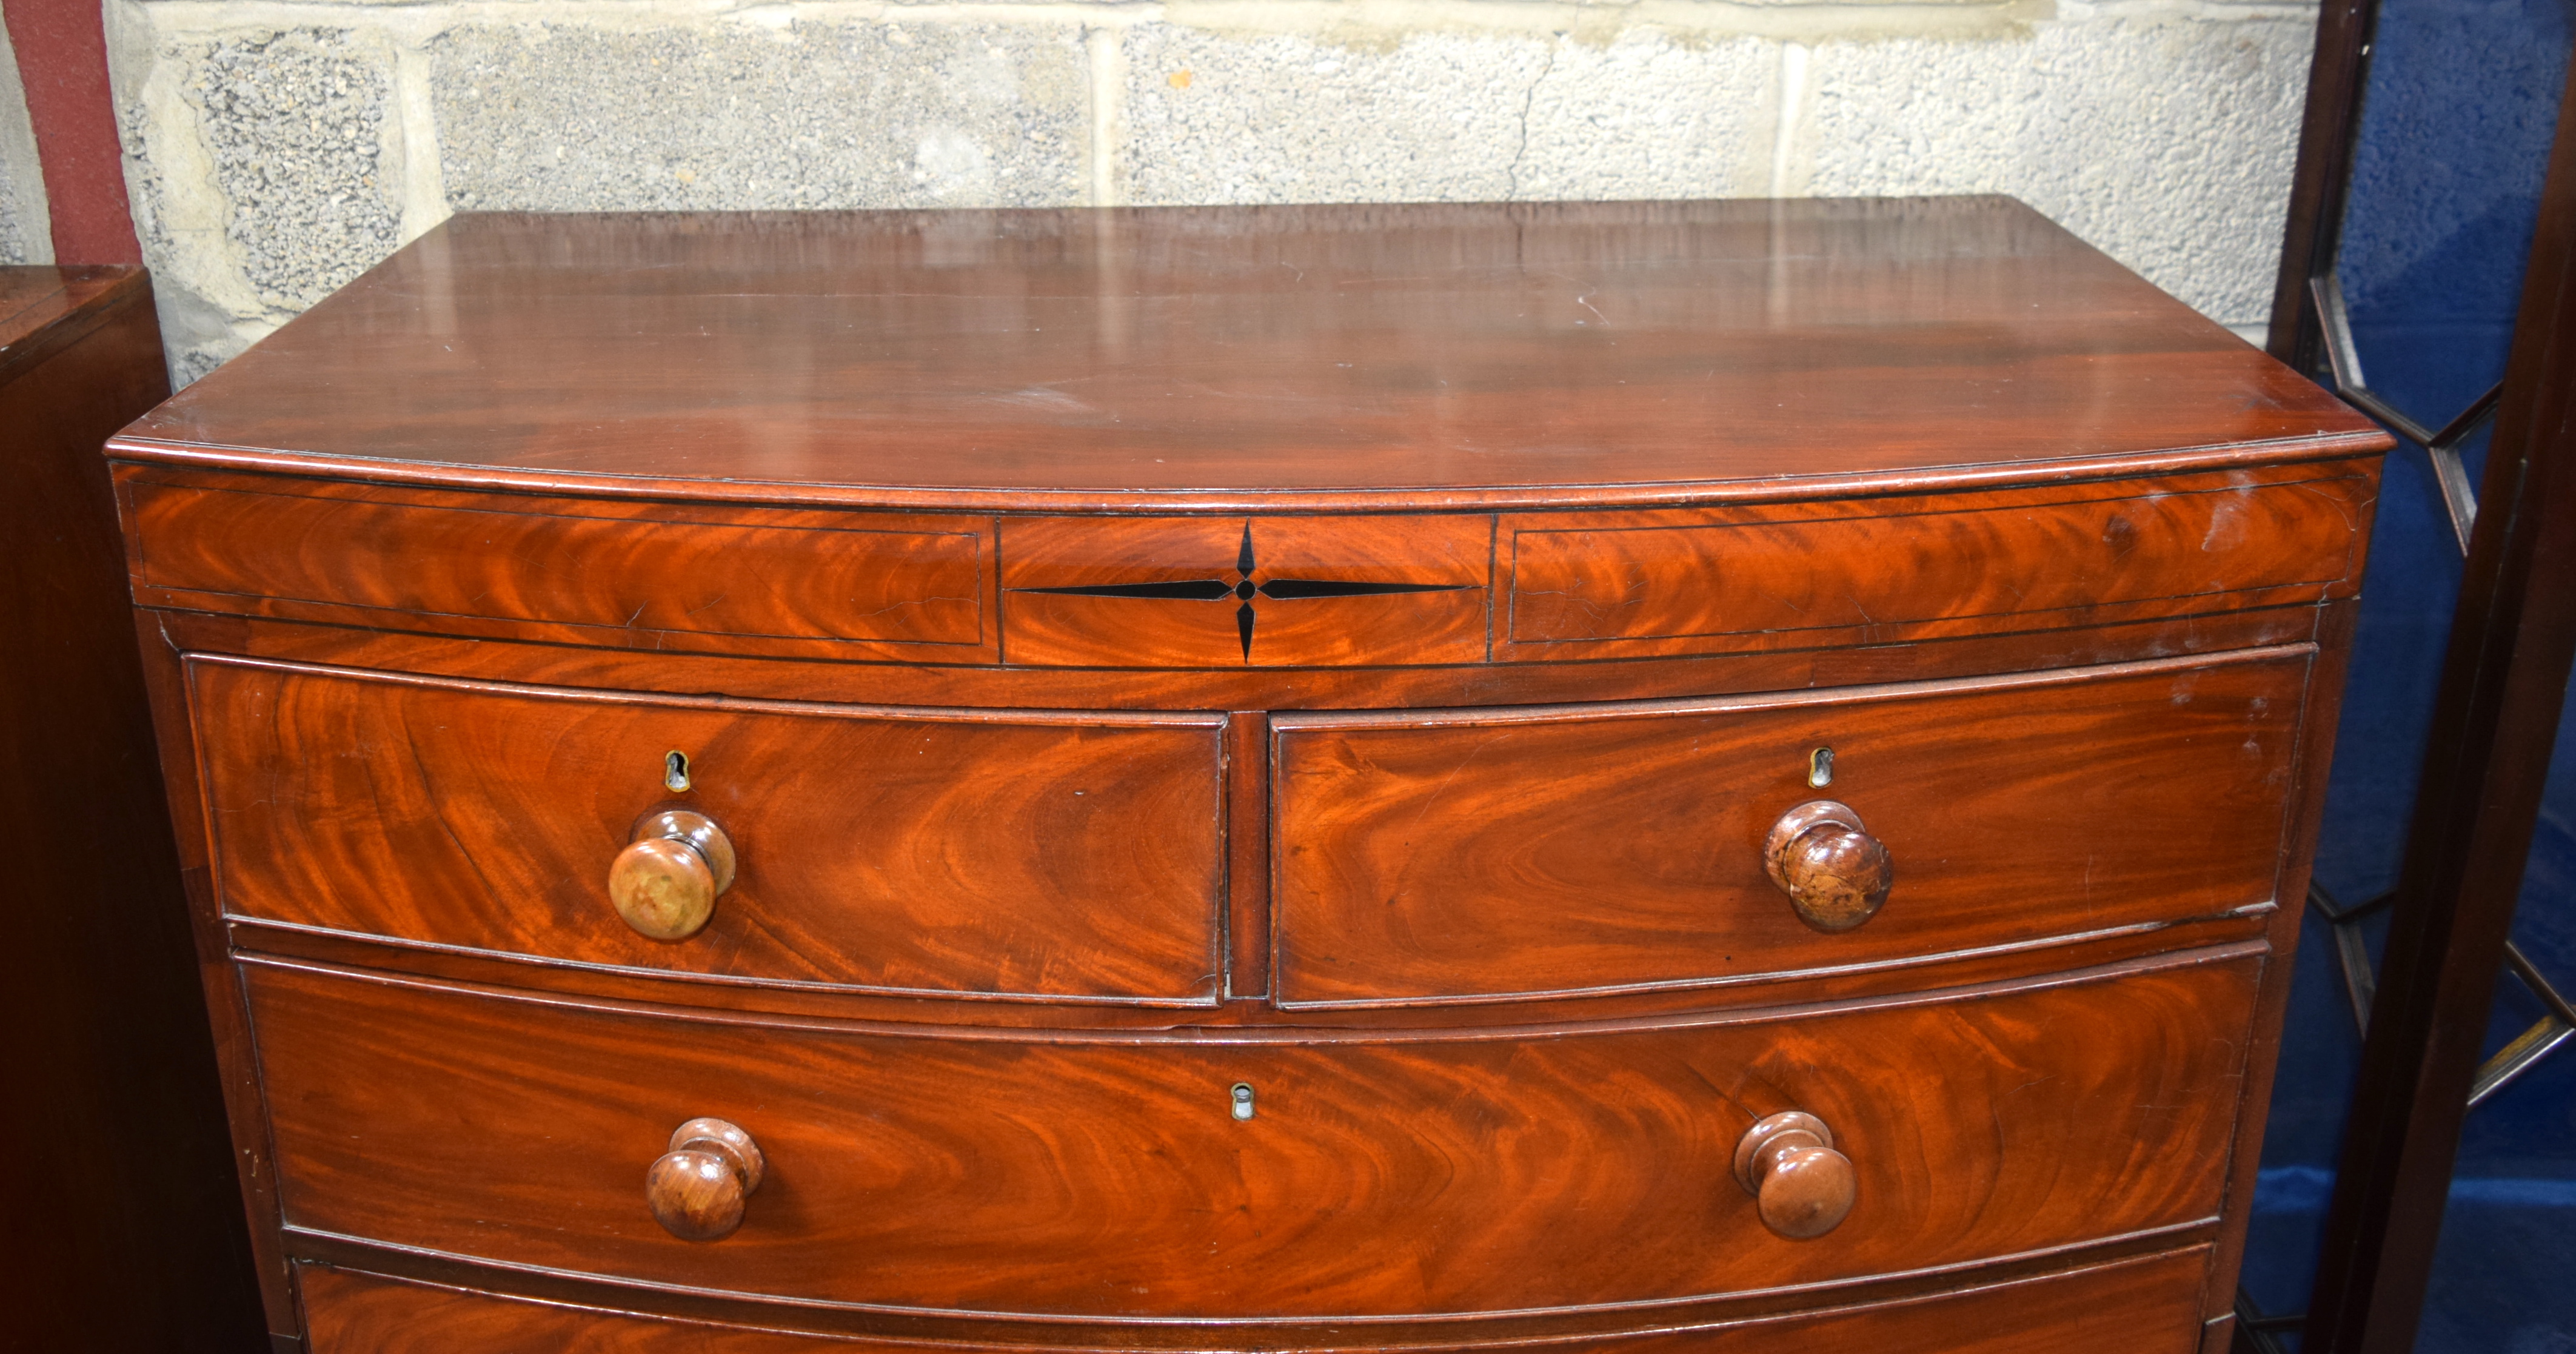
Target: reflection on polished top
{"x":1254,"y":356}
{"x":35,"y":298}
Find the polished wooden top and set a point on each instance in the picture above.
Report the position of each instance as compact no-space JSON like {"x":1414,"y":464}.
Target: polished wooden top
{"x":35,"y":298}
{"x":1227,"y":357}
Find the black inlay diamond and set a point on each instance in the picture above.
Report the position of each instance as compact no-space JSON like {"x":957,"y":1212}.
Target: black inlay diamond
{"x":1196,"y":590}
{"x":1292,"y":589}
{"x":1244,"y":590}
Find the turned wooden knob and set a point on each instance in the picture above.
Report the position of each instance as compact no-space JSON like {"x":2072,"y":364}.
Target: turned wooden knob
{"x":666,"y":880}
{"x":697,"y":1188}
{"x":1836,"y":874}
{"x":1787,"y":1162}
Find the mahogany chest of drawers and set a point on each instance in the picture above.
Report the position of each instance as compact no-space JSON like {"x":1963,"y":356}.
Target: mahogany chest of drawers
{"x":1626,"y":777}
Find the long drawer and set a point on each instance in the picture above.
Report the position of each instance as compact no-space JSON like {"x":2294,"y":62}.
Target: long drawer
{"x":2138,"y":1306}
{"x":1353,"y":1174}
{"x":1459,"y":855}
{"x":1058,"y":855}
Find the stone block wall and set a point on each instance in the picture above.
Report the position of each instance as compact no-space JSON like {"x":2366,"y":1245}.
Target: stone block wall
{"x":277,"y":148}
{"x":25,"y":223}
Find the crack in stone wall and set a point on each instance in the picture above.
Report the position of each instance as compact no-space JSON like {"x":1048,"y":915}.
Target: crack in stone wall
{"x":276,"y":148}
{"x":1520,"y":152}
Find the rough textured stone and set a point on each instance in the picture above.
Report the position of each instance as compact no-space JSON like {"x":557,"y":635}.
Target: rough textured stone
{"x":190,"y":267}
{"x":189,"y":362}
{"x":1215,"y":117}
{"x":26,"y":230}
{"x":296,"y":124}
{"x":2166,"y":143}
{"x":257,"y":170}
{"x":198,"y":333}
{"x":736,"y":116}
{"x":271,"y":158}
{"x":18,"y":225}
{"x":1648,"y":116}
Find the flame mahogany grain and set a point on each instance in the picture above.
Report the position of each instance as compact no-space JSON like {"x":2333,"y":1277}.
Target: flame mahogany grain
{"x":1062,"y":855}
{"x":1571,"y":531}
{"x":1446,"y":856}
{"x":653,"y":576}
{"x":1447,"y":557}
{"x":1246,"y":1007}
{"x":1714,"y":580}
{"x":1576,"y":586}
{"x":1386,"y":1173}
{"x":1238,"y":688}
{"x":2138,"y":1306}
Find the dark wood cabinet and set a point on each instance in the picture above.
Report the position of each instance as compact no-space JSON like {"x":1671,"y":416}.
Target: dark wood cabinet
{"x":1617,"y":776}
{"x":129,"y":1237}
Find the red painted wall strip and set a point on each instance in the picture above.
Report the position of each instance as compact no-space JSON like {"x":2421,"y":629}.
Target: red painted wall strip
{"x":62,"y":60}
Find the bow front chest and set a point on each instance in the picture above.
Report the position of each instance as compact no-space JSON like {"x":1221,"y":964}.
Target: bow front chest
{"x":1610,"y":777}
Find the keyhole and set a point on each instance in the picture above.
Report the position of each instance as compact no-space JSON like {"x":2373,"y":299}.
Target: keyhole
{"x":675,"y":771}
{"x":1820,"y":768}
{"x":1243,"y":1100}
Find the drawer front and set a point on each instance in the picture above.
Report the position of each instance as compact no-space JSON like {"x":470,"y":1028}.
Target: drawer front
{"x":1807,"y":575}
{"x":1459,"y":855}
{"x":1185,"y":592}
{"x":1072,"y":856}
{"x":651,"y":576}
{"x":2148,"y":1305}
{"x":1380,"y":1174}
{"x":1324,"y":590}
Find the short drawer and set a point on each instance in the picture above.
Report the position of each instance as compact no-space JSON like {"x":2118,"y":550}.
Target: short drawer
{"x":2146,"y":1305}
{"x":1041,"y":855}
{"x":706,"y":578}
{"x":1379,"y":1173}
{"x":1463,"y":855}
{"x":1755,"y":578}
{"x":1321,"y":591}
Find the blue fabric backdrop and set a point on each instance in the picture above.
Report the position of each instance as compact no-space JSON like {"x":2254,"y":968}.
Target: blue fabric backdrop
{"x":2463,"y":101}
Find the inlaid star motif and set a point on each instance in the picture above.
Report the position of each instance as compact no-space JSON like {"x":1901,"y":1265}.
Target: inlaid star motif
{"x":1245,"y":592}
